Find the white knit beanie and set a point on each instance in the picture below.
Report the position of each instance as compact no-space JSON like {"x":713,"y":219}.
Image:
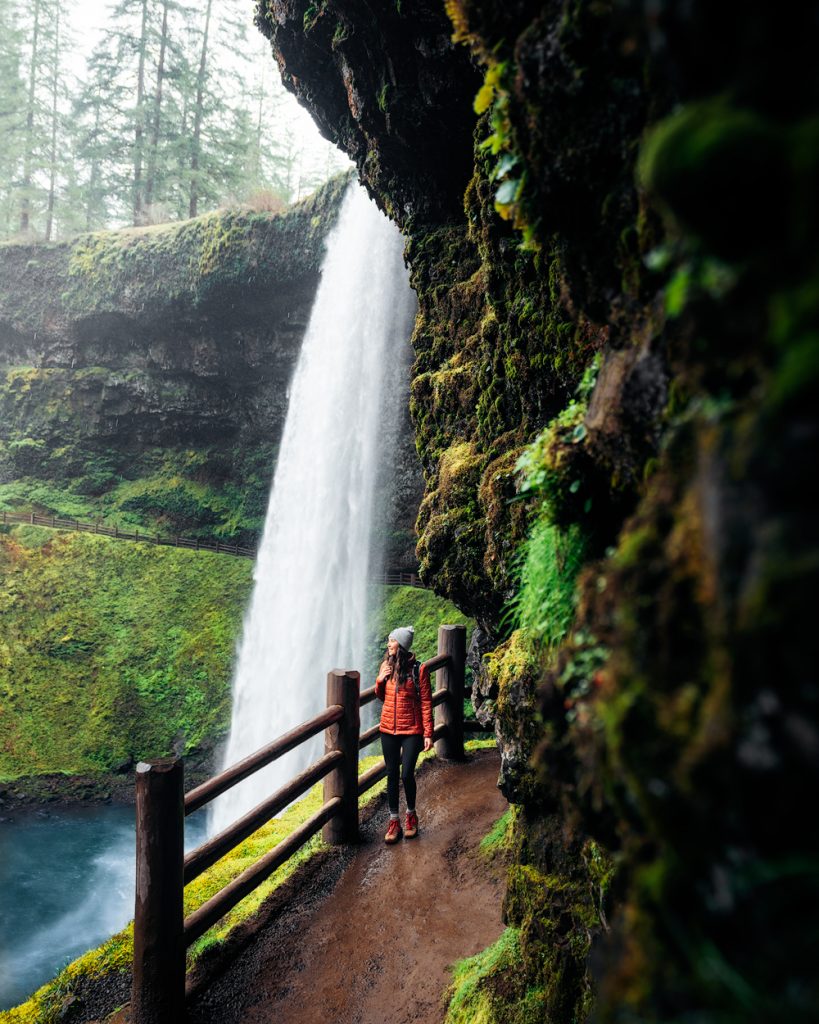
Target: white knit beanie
{"x":404,"y":635}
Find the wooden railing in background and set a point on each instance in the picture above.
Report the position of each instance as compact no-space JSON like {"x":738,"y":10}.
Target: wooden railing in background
{"x":75,"y":526}
{"x":389,"y":577}
{"x":161,"y":932}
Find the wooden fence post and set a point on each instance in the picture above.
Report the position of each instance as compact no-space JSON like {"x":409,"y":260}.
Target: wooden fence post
{"x":158,"y":995}
{"x":451,"y":641}
{"x":344,"y":688}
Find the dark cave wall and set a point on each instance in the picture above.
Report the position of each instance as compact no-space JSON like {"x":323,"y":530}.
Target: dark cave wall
{"x":633,"y":266}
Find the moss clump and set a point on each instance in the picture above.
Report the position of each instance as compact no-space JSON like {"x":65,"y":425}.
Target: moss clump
{"x":498,"y":841}
{"x":491,"y":988}
{"x":690,"y":160}
{"x":511,"y":673}
{"x":545,"y":602}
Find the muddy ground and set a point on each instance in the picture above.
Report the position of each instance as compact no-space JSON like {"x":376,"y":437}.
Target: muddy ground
{"x":370,"y":935}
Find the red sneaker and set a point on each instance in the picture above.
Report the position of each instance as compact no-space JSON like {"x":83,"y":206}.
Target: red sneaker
{"x":411,"y":825}
{"x":393,"y":832}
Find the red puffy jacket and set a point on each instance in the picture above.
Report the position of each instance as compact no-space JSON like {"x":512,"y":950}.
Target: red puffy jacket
{"x":405,"y":712}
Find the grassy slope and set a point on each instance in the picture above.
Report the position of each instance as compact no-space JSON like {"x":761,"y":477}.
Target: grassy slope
{"x":111,"y":650}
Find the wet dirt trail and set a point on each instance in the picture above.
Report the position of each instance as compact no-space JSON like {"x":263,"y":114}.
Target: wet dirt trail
{"x":376,"y":946}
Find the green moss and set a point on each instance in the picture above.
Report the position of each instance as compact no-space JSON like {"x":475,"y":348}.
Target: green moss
{"x":490,"y":988}
{"x":112,"y":650}
{"x":710,"y":163}
{"x":545,"y":602}
{"x":498,"y":840}
{"x":169,"y":267}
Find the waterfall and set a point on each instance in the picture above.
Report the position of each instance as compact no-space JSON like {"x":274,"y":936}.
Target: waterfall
{"x":308,"y":611}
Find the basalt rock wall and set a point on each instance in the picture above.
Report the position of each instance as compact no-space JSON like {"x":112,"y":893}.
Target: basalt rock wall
{"x":614,"y":405}
{"x":144,"y":373}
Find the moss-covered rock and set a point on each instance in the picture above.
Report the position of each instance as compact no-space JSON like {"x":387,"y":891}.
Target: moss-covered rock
{"x":681,"y":300}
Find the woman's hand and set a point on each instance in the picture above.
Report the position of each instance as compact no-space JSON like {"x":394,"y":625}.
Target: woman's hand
{"x":384,"y":672}
{"x":427,"y":743}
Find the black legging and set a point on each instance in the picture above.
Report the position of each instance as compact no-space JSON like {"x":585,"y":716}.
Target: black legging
{"x":401,"y":752}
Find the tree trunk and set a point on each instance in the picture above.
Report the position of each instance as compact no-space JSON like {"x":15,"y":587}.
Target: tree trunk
{"x":150,"y":183}
{"x":139,"y":199}
{"x":55,"y":81}
{"x":197,"y":121}
{"x":28,"y":154}
{"x":93,"y":179}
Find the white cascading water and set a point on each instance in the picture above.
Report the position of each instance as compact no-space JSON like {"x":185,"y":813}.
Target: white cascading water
{"x":308,"y":612}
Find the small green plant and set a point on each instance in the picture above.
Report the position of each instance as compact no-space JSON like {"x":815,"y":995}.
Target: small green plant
{"x":340,"y":34}
{"x":498,"y":840}
{"x":382,"y":100}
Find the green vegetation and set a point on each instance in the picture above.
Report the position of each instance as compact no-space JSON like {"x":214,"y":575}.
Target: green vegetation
{"x":112,"y":651}
{"x":499,"y":839}
{"x":545,"y":602}
{"x":205,"y":492}
{"x":488,"y":988}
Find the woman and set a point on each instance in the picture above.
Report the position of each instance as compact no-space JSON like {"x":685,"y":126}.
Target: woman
{"x":406,"y":725}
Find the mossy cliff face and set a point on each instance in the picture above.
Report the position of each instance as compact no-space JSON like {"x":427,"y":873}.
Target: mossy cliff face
{"x":144,"y":373}
{"x":635,"y":288}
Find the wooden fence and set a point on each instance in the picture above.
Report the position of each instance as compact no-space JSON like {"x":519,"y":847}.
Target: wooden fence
{"x":74,"y":525}
{"x":390,"y":577}
{"x":161,"y":932}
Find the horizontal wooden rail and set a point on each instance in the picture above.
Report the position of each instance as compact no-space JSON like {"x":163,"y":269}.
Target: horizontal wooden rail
{"x":439,"y":661}
{"x":367,"y":737}
{"x":208,"y":853}
{"x":439,"y":697}
{"x":225,"y":780}
{"x":371,"y":776}
{"x":197,"y":923}
{"x":367,"y":696}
